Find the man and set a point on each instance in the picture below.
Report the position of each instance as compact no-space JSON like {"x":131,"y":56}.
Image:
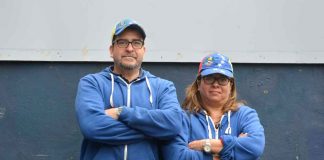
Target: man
{"x":124,"y":110}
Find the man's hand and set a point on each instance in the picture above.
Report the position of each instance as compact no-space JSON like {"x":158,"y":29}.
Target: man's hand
{"x":112,"y":112}
{"x":197,"y":144}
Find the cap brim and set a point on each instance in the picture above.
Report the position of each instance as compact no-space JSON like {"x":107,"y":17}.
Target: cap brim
{"x":209,"y":71}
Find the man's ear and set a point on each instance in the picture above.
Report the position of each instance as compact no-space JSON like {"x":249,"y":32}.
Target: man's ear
{"x":144,"y":49}
{"x":111,"y":49}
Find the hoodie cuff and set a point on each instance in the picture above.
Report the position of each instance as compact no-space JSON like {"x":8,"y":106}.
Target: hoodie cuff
{"x":127,"y":115}
{"x":124,"y":112}
{"x":228,"y":144}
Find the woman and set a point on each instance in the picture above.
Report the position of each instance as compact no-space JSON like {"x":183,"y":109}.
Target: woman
{"x":216,"y":125}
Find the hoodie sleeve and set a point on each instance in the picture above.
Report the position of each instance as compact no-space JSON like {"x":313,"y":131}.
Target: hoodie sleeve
{"x":161,"y":123}
{"x":250,"y":147}
{"x":95,"y":125}
{"x":178,"y":148}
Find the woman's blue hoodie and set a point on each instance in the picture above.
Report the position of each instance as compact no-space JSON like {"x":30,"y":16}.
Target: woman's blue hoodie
{"x":151,"y":112}
{"x":195,"y":127}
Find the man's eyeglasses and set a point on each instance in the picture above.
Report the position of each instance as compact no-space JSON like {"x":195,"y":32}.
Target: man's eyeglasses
{"x":123,"y":43}
{"x":211,"y":79}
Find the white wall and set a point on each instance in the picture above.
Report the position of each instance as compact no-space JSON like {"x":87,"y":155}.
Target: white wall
{"x":248,"y":31}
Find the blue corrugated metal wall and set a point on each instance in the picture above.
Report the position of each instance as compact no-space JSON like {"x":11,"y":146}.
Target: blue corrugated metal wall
{"x":37,"y":119}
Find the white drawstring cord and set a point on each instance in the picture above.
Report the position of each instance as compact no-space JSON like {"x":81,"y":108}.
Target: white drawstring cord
{"x":112,"y":90}
{"x":228,"y":129}
{"x":149,"y":87}
{"x":209,"y":129}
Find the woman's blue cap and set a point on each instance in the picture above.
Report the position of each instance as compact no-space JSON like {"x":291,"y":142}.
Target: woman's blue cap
{"x":216,"y":63}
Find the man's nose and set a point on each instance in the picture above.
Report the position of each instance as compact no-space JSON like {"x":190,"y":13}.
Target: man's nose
{"x":129,"y":47}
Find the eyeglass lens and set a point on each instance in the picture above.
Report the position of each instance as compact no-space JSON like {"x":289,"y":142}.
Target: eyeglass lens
{"x":221,"y":80}
{"x":123,"y":43}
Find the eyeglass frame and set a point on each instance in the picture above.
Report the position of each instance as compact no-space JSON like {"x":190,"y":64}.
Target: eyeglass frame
{"x":129,"y":42}
{"x":216,"y":78}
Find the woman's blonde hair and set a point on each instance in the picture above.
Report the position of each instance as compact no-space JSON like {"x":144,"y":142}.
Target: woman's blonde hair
{"x":193,"y":101}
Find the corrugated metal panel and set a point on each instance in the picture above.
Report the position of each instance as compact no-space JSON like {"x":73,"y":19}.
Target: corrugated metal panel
{"x":37,"y":117}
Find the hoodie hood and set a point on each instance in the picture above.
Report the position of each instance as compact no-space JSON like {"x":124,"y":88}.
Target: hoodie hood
{"x":109,"y":70}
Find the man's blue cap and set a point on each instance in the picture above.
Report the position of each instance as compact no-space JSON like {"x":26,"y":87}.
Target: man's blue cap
{"x":216,"y":63}
{"x":127,"y":23}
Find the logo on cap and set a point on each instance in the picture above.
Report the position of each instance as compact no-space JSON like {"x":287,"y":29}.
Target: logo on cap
{"x":209,"y":61}
{"x":216,"y":63}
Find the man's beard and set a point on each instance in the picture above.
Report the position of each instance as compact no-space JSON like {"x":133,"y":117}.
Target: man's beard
{"x":129,"y":67}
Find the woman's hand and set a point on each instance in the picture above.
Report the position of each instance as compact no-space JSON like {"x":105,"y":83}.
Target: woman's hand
{"x":243,"y":135}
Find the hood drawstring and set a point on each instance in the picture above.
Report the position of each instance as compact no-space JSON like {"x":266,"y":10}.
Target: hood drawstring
{"x":111,"y":99}
{"x":112,"y":90}
{"x":208,"y":125}
{"x":228,"y":129}
{"x":149,"y":87}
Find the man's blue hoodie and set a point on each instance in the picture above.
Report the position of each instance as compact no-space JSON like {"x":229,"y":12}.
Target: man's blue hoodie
{"x":195,"y":127}
{"x":151,"y":112}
